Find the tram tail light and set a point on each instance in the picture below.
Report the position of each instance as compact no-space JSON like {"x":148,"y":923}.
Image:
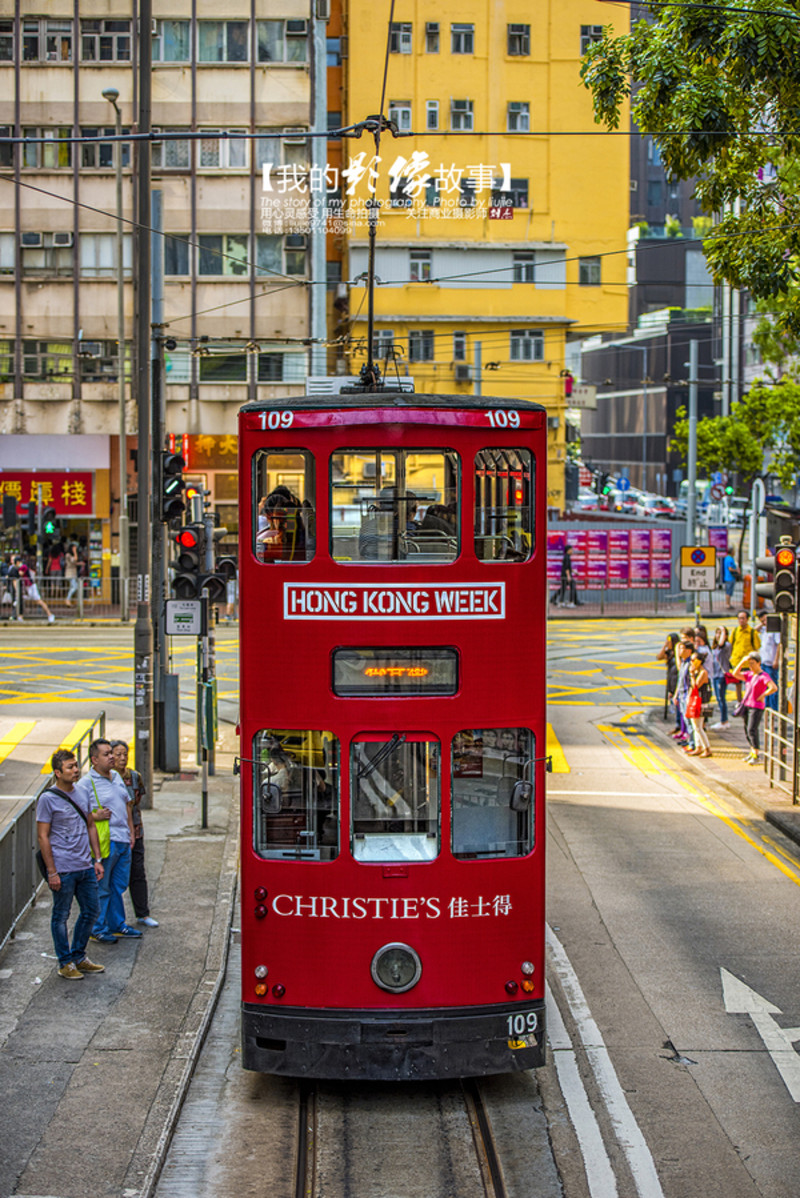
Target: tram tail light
{"x":527,"y":985}
{"x":261,"y":989}
{"x":260,"y":893}
{"x":512,"y":987}
{"x":278,"y":991}
{"x":261,"y":911}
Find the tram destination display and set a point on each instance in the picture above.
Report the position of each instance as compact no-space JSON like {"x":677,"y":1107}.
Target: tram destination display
{"x":375,"y":672}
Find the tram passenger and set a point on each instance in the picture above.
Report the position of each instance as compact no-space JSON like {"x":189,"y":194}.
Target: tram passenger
{"x":440,"y":517}
{"x":283,"y":538}
{"x":385,"y":520}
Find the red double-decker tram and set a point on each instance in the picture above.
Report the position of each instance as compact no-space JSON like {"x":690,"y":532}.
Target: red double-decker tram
{"x":392,"y":608}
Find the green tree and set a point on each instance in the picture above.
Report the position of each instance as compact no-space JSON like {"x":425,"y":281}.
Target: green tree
{"x":719,"y":89}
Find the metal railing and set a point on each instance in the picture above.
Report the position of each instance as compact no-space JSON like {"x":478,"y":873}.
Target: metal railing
{"x":20,"y":880}
{"x":779,"y":750}
{"x":70,"y":599}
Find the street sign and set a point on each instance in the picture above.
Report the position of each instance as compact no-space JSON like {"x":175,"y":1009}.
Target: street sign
{"x":584,"y":395}
{"x":184,"y":617}
{"x":716,"y":477}
{"x":717,"y":491}
{"x":623,"y":484}
{"x":698,"y":567}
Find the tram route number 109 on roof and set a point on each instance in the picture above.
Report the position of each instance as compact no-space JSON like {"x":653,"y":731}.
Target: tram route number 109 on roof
{"x":499,"y":418}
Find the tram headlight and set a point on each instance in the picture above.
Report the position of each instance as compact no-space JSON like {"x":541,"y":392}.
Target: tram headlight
{"x":261,"y":971}
{"x":527,"y":968}
{"x":396,"y":968}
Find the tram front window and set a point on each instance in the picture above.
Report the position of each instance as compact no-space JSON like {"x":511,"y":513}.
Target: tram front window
{"x":283,"y":512}
{"x":492,"y":792}
{"x":394,"y":505}
{"x":395,"y":798}
{"x":296,"y":795}
{"x":504,"y":498}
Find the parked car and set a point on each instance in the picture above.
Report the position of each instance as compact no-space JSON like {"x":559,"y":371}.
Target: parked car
{"x":655,"y":506}
{"x":586,"y":502}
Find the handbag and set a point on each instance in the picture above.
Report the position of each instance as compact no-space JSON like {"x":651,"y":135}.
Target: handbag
{"x":739,"y":708}
{"x":103,"y":826}
{"x":40,"y":861}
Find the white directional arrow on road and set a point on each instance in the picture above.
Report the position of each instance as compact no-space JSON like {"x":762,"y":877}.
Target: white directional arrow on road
{"x":778,"y":1041}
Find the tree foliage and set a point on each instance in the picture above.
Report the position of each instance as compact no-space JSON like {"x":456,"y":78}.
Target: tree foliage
{"x":762,"y":434}
{"x":719,"y":89}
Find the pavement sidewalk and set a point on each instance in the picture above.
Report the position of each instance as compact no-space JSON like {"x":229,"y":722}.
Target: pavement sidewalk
{"x":726,"y":768}
{"x":91,"y":1074}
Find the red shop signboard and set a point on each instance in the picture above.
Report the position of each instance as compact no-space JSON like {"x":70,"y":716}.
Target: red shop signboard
{"x":68,"y":491}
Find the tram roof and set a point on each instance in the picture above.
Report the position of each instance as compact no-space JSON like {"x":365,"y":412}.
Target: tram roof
{"x":395,"y":399}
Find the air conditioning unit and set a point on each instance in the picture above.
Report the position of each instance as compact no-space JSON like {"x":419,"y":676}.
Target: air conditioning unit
{"x":108,"y":366}
{"x":90,"y":349}
{"x":297,"y":28}
{"x":296,"y":241}
{"x":431,"y":27}
{"x":154,"y":27}
{"x":323,"y":10}
{"x":62,"y":239}
{"x":634,"y":184}
{"x":344,"y":46}
{"x":31,"y":240}
{"x":520,"y":29}
{"x":463,"y":372}
{"x":294,"y":136}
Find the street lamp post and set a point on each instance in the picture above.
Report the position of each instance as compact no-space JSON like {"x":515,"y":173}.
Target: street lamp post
{"x":112,"y":95}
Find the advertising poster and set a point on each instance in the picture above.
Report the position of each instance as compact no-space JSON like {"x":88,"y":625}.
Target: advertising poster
{"x":661,"y":571}
{"x":718,"y":539}
{"x":661,"y":542}
{"x":640,"y":572}
{"x":619,"y":543}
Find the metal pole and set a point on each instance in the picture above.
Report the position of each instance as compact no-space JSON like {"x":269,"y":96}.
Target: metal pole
{"x":795,"y":701}
{"x":112,"y":95}
{"x":691,"y":500}
{"x":478,"y":388}
{"x":157,"y":440}
{"x":202,"y":721}
{"x":644,"y":417}
{"x":208,"y":520}
{"x":758,"y":495}
{"x":143,"y":632}
{"x":39,"y":546}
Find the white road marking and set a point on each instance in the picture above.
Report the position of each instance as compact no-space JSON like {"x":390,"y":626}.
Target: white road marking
{"x":627,"y":1130}
{"x":612,"y":794}
{"x":597,"y":1167}
{"x":778,"y":1041}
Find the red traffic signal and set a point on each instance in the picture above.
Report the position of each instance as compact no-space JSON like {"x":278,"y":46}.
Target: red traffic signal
{"x":786,"y":579}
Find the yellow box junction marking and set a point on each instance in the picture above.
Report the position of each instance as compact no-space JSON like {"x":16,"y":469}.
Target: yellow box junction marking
{"x":11,"y":739}
{"x":554,"y":750}
{"x":70,"y":741}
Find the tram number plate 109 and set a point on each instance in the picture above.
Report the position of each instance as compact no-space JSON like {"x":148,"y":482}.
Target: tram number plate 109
{"x":521,"y":1028}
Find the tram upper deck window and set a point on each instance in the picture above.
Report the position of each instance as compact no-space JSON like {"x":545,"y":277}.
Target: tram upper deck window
{"x":395,"y":506}
{"x":504,"y":498}
{"x":296,"y":795}
{"x":395,"y":786}
{"x":492,"y":792}
{"x":283,"y":511}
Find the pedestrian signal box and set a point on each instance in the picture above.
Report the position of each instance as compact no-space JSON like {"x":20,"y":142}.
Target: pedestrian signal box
{"x":786,"y":579}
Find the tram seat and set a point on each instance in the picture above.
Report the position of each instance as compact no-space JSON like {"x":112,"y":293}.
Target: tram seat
{"x":435,"y":545}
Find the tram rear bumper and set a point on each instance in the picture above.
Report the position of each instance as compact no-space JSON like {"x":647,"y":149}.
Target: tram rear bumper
{"x":393,"y":1045}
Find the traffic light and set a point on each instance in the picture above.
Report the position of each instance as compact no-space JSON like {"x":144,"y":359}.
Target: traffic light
{"x":28,"y":511}
{"x":785,"y":579}
{"x":190,"y":562}
{"x":172,"y":505}
{"x":10,"y":518}
{"x":49,"y":521}
{"x":602,"y":484}
{"x":194,"y":502}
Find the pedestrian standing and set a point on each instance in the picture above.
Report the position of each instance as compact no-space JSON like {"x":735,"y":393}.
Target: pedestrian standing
{"x":770,"y":657}
{"x":667,"y":654}
{"x":104,"y":789}
{"x":700,"y":638}
{"x":730,"y":576}
{"x":685,"y":650}
{"x":71,"y":572}
{"x":758,"y":686}
{"x":71,"y":850}
{"x":744,"y":641}
{"x":720,"y":670}
{"x":698,"y":692}
{"x":567,"y":590}
{"x":134,"y":784}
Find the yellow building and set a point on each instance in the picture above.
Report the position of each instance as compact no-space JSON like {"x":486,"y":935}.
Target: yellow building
{"x":502,"y":233}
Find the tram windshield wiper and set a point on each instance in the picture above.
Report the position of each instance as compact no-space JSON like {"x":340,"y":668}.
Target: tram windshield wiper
{"x":397,"y":738}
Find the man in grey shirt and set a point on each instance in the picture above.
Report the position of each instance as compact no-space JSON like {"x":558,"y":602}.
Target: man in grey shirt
{"x":69,"y":842}
{"x":103,"y":788}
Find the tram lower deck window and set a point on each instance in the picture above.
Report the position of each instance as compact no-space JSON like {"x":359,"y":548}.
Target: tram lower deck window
{"x":395,"y":506}
{"x":296,"y":795}
{"x":492,"y":792}
{"x":395,"y":789}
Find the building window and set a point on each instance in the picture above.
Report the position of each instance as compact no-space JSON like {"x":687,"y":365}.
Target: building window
{"x":400,"y":113}
{"x":46,"y":253}
{"x":519,"y":116}
{"x":461,"y":115}
{"x":524,"y":267}
{"x":400,"y":37}
{"x":46,"y":41}
{"x":223,"y":153}
{"x":222,"y":41}
{"x":399,"y":195}
{"x":172,"y":41}
{"x":176,"y":254}
{"x":46,"y":359}
{"x":6,"y":149}
{"x":99,"y":360}
{"x":224,"y":365}
{"x":419,"y":266}
{"x":6,"y":361}
{"x":98,"y":255}
{"x":589,"y":35}
{"x":589,"y":272}
{"x":173,"y":154}
{"x":653,"y":152}
{"x":519,"y":39}
{"x":50,"y":154}
{"x":527,"y":345}
{"x":383,"y":345}
{"x":459,"y":347}
{"x":433,"y":197}
{"x":102,"y":154}
{"x":106,"y":41}
{"x":655,"y":193}
{"x":333,"y":48}
{"x":295,"y":246}
{"x":286,"y":41}
{"x":431,"y":114}
{"x":515,"y":196}
{"x":6,"y":41}
{"x":467,"y":193}
{"x":281,"y":147}
{"x":462,"y":39}
{"x":276,"y":255}
{"x":222,"y":254}
{"x":420,"y":345}
{"x":431,"y":37}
